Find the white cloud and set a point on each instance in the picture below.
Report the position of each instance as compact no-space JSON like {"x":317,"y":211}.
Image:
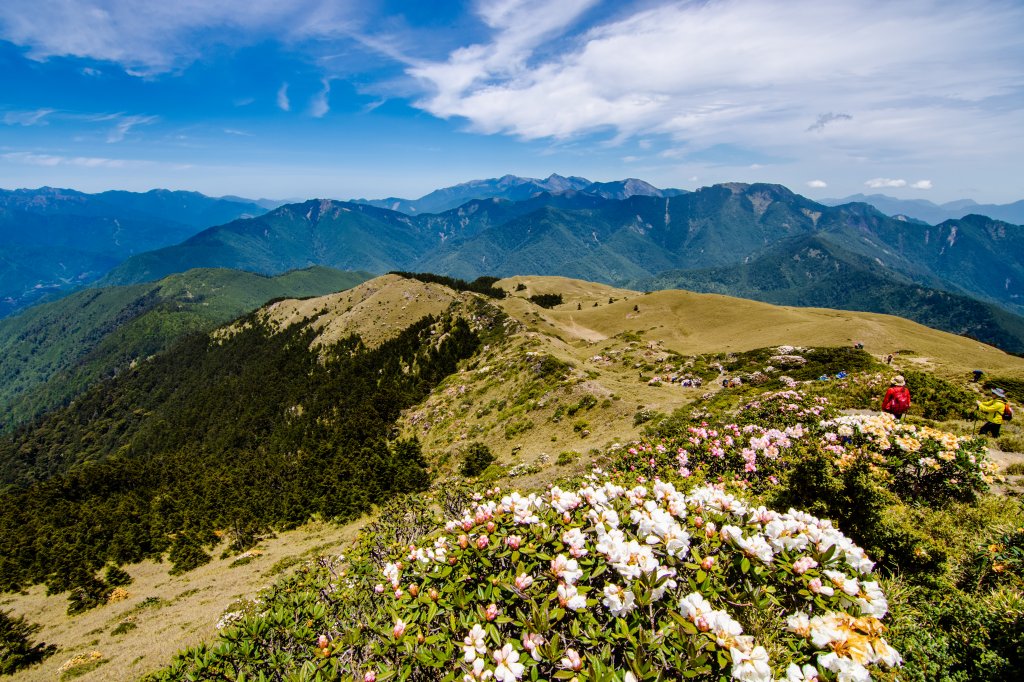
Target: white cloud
{"x":235,"y":131}
{"x":878,"y":183}
{"x":124,"y":124}
{"x":156,"y":37}
{"x":282,"y":98}
{"x":27,"y":118}
{"x":922,"y":184}
{"x":817,"y":184}
{"x":51,"y":160}
{"x":319,"y":106}
{"x":727,"y":72}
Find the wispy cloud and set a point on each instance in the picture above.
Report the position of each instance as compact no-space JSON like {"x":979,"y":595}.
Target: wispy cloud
{"x":283,"y":103}
{"x":319,"y":105}
{"x":235,"y":131}
{"x":878,"y":183}
{"x":27,"y":118}
{"x":708,"y":73}
{"x":161,"y":37}
{"x":922,"y":184}
{"x":51,"y":160}
{"x":817,"y":184}
{"x":124,"y":124}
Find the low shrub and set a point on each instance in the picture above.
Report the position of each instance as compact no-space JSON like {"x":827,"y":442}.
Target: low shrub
{"x":476,"y":459}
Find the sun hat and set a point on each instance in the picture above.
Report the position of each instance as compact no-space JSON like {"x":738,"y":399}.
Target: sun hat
{"x":898,"y":380}
{"x":999,"y":392}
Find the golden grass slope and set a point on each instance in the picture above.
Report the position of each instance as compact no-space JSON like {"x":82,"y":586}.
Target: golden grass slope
{"x":169,"y":613}
{"x":691,"y":323}
{"x":377,"y":310}
{"x":526,"y":419}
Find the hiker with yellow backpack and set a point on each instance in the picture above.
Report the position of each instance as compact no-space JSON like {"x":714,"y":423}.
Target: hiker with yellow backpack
{"x":995,"y":411}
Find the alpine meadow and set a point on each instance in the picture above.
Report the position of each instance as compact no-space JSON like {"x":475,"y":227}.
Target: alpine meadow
{"x":313,"y":370}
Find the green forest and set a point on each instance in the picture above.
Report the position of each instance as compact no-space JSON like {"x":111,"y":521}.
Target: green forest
{"x":241,"y":434}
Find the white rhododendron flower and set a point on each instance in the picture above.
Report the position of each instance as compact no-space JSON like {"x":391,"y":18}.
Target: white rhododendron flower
{"x":632,"y":550}
{"x":474,"y":644}
{"x":618,"y":600}
{"x":508,"y":666}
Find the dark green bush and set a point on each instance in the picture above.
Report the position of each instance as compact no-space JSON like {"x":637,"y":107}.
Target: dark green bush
{"x":187,"y":553}
{"x":115,"y":576}
{"x":89,"y":593}
{"x":476,"y":459}
{"x":935,"y":398}
{"x":547,"y":300}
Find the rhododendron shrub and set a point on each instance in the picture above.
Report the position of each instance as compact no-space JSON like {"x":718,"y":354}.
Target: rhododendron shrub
{"x":632,"y":581}
{"x":785,"y":408}
{"x":751,"y":456}
{"x":920,"y":462}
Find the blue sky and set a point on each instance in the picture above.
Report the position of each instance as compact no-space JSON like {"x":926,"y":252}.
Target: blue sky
{"x":373,"y":98}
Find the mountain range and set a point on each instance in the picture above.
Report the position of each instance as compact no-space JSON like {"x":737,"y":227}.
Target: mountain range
{"x":58,"y":240}
{"x":516,"y":188}
{"x":632,"y":240}
{"x":930,"y":212}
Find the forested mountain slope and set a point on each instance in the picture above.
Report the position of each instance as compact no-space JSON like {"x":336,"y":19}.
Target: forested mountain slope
{"x":53,"y":351}
{"x":261,"y":426}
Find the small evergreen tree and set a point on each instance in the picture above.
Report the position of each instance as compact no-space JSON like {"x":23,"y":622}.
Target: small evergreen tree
{"x":187,"y":553}
{"x":477,"y":458}
{"x":17,"y":650}
{"x":115,"y":576}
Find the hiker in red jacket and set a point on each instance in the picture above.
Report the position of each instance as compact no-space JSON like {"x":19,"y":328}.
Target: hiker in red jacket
{"x":897,"y":399}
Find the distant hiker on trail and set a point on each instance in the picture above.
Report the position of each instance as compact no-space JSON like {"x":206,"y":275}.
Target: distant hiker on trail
{"x":897,"y":399}
{"x":993,"y":411}
{"x":977,"y":375}
{"x":888,"y":359}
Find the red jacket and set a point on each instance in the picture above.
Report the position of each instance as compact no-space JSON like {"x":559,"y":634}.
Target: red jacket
{"x":896,"y":400}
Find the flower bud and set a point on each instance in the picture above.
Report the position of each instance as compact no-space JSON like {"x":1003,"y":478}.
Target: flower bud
{"x":706,"y":564}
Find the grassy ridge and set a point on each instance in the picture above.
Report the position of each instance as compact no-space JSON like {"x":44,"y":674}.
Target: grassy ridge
{"x":52,"y":352}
